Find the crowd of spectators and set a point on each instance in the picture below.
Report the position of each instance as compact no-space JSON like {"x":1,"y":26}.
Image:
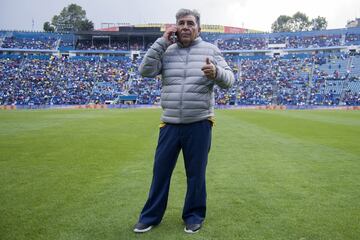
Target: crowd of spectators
{"x":242,"y":43}
{"x":330,"y":79}
{"x":352,"y":38}
{"x":223,"y":41}
{"x":313,"y":41}
{"x":113,"y":45}
{"x":261,"y":43}
{"x":88,"y":45}
{"x":29,"y":43}
{"x":56,"y":81}
{"x":285,"y":81}
{"x":290,"y":81}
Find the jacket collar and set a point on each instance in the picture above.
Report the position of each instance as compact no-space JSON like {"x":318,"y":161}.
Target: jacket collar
{"x":196,"y":41}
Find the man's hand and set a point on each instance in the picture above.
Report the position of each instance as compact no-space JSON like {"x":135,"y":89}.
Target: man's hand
{"x":168,"y":32}
{"x":209,"y":69}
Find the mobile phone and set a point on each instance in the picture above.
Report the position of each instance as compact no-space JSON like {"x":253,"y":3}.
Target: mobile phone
{"x":173,"y":37}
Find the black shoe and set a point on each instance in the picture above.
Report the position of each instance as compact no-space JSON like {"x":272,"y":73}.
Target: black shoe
{"x":141,"y":227}
{"x":192,"y":228}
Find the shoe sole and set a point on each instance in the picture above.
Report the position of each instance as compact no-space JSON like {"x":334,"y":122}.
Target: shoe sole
{"x":143,"y":230}
{"x":190,"y":231}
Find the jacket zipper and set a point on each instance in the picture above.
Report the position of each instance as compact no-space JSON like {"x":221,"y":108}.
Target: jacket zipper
{"x":183,"y":84}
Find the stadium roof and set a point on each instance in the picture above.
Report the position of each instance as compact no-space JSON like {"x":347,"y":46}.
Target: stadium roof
{"x":163,"y":26}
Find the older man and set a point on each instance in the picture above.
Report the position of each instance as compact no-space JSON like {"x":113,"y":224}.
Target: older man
{"x":190,"y":68}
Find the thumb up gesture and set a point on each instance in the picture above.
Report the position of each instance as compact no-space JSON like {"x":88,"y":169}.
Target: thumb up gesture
{"x":209,"y":69}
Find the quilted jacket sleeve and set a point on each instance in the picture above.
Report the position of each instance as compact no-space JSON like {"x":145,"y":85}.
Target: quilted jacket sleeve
{"x":151,"y":64}
{"x":224,"y":75}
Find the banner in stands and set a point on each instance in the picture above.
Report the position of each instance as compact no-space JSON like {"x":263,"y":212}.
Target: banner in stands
{"x":212,"y":28}
{"x":228,"y":29}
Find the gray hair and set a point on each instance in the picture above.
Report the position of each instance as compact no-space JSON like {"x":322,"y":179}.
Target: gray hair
{"x":185,"y":12}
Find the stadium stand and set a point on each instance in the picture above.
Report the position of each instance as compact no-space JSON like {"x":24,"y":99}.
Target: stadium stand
{"x":320,"y":68}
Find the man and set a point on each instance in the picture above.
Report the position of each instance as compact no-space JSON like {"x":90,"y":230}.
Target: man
{"x":190,"y":68}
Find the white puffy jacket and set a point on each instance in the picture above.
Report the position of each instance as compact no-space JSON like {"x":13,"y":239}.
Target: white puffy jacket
{"x":187,"y":94}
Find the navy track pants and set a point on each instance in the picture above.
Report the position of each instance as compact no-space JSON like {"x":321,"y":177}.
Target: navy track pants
{"x":194,"y":139}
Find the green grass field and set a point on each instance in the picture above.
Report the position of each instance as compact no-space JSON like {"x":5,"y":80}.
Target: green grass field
{"x":85,"y":174}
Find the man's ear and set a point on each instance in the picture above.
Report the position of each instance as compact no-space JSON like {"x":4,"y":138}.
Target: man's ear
{"x":199,"y":31}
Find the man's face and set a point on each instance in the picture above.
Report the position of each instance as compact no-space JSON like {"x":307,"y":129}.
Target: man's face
{"x":187,"y":29}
